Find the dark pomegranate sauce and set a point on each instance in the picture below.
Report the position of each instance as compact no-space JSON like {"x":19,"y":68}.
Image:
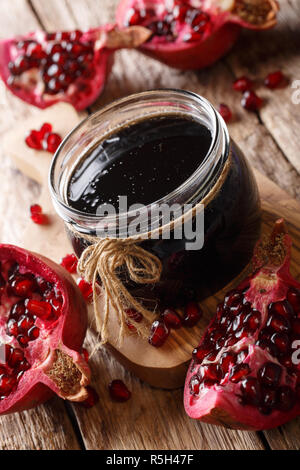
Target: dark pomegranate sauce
{"x":146,"y":161}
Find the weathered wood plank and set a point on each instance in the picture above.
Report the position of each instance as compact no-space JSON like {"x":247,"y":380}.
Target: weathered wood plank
{"x":46,"y":427}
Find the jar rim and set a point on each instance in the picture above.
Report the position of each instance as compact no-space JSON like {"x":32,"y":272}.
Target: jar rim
{"x":211,"y":159}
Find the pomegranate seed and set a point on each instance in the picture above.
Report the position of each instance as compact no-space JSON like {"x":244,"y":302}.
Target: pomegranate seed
{"x":279,"y":323}
{"x":134,"y":17}
{"x":92,"y":399}
{"x":45,"y":129}
{"x":86,"y":290}
{"x":283,"y":308}
{"x":33,"y":141}
{"x":251,"y":391}
{"x":53,"y":142}
{"x":23,"y":340}
{"x":243,"y":84}
{"x":275,"y":79}
{"x":69,"y":262}
{"x":118,"y":391}
{"x":199,"y":354}
{"x":158,"y":334}
{"x":270,"y":374}
{"x":12,"y":327}
{"x":25,"y":322}
{"x":40,"y":219}
{"x":35,"y":209}
{"x":39,"y":308}
{"x":193,"y":314}
{"x":281,"y":341}
{"x":212,"y":372}
{"x":17,"y":310}
{"x":286,"y":398}
{"x":266,"y":345}
{"x":228,"y":359}
{"x":233,"y":299}
{"x":268,"y":401}
{"x":192,"y":37}
{"x":253,"y":320}
{"x":238,"y":372}
{"x":251,"y":101}
{"x":195,"y":385}
{"x":225,"y":112}
{"x":171,"y":318}
{"x":33,"y":333}
{"x":24,"y":365}
{"x":180,"y":12}
{"x":17,"y":356}
{"x":23,"y":287}
{"x":7,"y":383}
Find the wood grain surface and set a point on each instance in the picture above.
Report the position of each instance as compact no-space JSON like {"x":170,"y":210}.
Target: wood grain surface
{"x":153,"y":419}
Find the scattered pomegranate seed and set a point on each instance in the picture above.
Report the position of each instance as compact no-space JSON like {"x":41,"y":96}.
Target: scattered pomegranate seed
{"x":35,"y":209}
{"x":86,"y":289}
{"x":171,"y":319}
{"x":37,"y":216}
{"x":243,"y":84}
{"x":53,"y":142}
{"x":44,"y":139}
{"x":69,"y":262}
{"x":158,"y":334}
{"x":225,"y":112}
{"x":91,"y":400}
{"x":193,"y":314}
{"x":251,"y":101}
{"x":275,"y":80}
{"x":118,"y":391}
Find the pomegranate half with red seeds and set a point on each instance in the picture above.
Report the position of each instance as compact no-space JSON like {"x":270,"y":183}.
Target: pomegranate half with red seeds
{"x":243,"y":374}
{"x":72,"y":66}
{"x":43,"y":322}
{"x":192,"y":34}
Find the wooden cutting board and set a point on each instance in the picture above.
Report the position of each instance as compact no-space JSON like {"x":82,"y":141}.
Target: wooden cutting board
{"x":163,"y":367}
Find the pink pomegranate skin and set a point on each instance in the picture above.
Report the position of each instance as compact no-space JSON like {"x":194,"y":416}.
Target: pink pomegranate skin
{"x":217,"y":39}
{"x":223,"y":402}
{"x":32,"y":89}
{"x":55,"y":355}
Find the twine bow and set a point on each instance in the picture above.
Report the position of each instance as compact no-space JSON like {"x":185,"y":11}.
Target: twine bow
{"x":105,"y":260}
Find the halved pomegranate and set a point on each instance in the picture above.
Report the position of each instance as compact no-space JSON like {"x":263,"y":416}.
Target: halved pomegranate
{"x":244,"y":374}
{"x":44,"y":68}
{"x":192,"y":34}
{"x":43,"y":322}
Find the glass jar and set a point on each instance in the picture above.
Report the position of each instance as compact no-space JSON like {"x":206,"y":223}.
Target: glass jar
{"x":231,"y":217}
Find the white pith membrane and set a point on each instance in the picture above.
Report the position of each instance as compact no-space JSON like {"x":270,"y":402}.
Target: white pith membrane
{"x":42,"y":364}
{"x":224,"y":400}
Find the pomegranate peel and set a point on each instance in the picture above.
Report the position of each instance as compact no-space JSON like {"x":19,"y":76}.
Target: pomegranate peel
{"x":190,"y":34}
{"x":50,"y":362}
{"x":45,"y":68}
{"x":242,"y":375}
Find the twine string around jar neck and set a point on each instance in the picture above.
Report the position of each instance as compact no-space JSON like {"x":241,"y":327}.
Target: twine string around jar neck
{"x":104,"y":259}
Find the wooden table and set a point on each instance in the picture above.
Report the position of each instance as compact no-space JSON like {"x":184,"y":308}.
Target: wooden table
{"x":153,"y":419}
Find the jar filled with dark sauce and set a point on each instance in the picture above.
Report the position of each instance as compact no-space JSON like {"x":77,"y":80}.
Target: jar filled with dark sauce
{"x":155,"y":148}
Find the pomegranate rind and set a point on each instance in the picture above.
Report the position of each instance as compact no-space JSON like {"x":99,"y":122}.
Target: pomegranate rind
{"x":219,"y":404}
{"x":31,"y":87}
{"x":225,"y":27}
{"x":62,"y":337}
